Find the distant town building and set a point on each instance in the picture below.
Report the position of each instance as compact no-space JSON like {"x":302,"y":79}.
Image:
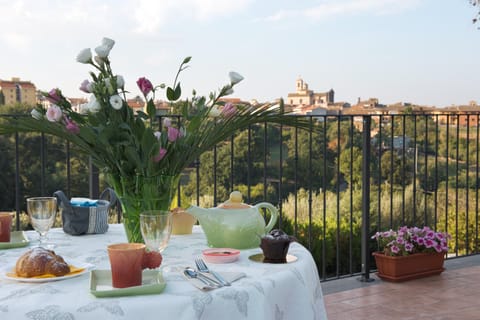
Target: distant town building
{"x":304,"y":96}
{"x":17,"y":91}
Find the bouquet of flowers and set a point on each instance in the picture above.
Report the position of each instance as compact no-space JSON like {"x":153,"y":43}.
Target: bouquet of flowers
{"x":406,"y":241}
{"x":141,"y":156}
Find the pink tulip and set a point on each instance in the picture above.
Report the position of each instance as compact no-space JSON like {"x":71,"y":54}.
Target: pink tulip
{"x":229,"y":110}
{"x":144,"y":85}
{"x":161,"y":153}
{"x":86,"y":86}
{"x":174,"y":134}
{"x":54,"y":113}
{"x":54,"y":96}
{"x":72,"y":126}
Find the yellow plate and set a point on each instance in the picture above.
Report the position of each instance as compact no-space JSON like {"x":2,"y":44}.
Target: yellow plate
{"x":259,"y":258}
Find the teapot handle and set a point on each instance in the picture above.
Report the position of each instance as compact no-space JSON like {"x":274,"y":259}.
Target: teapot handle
{"x":273,"y":216}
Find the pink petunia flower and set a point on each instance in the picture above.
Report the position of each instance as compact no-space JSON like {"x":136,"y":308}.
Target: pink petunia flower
{"x":429,"y":243}
{"x":408,"y":246}
{"x":395,"y":249}
{"x":430,"y":234}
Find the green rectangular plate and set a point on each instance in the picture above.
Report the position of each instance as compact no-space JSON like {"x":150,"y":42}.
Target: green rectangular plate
{"x":101,"y":284}
{"x":17,"y":239}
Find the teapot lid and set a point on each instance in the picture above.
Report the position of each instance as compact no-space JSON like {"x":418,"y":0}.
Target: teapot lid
{"x":234,"y":202}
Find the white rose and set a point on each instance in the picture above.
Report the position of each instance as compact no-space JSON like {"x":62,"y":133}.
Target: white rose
{"x":235,"y":77}
{"x":108,"y":43}
{"x":85,"y":56}
{"x":116,"y":102}
{"x":36,"y":114}
{"x":102,"y":51}
{"x":120,"y":81}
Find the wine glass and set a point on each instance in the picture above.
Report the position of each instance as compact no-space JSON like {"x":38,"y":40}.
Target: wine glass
{"x":41,"y":211}
{"x":156,"y":228}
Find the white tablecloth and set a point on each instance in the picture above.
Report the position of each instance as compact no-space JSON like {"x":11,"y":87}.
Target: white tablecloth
{"x":285,"y":291}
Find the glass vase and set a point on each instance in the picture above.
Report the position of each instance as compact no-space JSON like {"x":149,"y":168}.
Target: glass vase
{"x":144,"y":194}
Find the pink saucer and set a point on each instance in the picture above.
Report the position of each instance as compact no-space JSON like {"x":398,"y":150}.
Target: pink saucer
{"x":221,"y":255}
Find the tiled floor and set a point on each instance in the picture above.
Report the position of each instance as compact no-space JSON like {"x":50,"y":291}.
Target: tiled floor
{"x":455,"y":294}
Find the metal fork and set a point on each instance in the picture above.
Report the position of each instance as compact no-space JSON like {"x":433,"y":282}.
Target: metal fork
{"x":202,"y":267}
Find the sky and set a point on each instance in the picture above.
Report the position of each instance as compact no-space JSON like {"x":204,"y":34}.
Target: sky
{"x":419,"y":51}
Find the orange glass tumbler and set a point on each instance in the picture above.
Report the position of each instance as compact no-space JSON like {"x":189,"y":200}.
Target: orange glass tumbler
{"x":126,"y":264}
{"x":5,"y":226}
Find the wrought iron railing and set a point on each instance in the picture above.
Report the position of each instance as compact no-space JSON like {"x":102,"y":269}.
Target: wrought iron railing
{"x":335,"y":185}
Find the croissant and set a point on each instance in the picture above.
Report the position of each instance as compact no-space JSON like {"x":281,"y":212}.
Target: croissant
{"x":40,"y":261}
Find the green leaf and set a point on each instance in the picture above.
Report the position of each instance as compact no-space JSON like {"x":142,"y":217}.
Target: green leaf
{"x":177,"y":93}
{"x":186,"y":60}
{"x":170,"y":94}
{"x":151,"y":109}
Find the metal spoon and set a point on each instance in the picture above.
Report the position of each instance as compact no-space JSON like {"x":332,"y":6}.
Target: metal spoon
{"x":191,"y":273}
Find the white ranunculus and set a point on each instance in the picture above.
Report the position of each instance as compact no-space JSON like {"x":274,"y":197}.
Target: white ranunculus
{"x":93,"y":105}
{"x":108,"y":42}
{"x":85,"y":56}
{"x":235,"y":77}
{"x":36,"y":114}
{"x":120,"y":81}
{"x":102,"y":51}
{"x":116,"y":102}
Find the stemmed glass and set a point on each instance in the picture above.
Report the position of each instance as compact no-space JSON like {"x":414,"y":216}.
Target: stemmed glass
{"x":156,"y":228}
{"x":41,"y":211}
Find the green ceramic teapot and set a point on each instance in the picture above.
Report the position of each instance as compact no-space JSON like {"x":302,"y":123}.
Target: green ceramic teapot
{"x":234,"y":224}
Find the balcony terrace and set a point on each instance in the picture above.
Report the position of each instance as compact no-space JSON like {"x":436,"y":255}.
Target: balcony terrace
{"x":451,"y":295}
{"x":334,"y":186}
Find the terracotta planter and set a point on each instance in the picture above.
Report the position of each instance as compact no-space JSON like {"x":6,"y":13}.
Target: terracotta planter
{"x":409,"y":267}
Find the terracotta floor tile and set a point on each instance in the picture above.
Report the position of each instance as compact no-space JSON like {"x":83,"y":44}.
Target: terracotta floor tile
{"x":455,"y":294}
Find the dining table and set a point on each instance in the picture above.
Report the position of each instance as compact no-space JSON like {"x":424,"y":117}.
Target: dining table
{"x":282,"y":291}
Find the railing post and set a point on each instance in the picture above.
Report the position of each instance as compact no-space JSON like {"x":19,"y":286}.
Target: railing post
{"x":365,"y":276}
{"x":93,"y":181}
